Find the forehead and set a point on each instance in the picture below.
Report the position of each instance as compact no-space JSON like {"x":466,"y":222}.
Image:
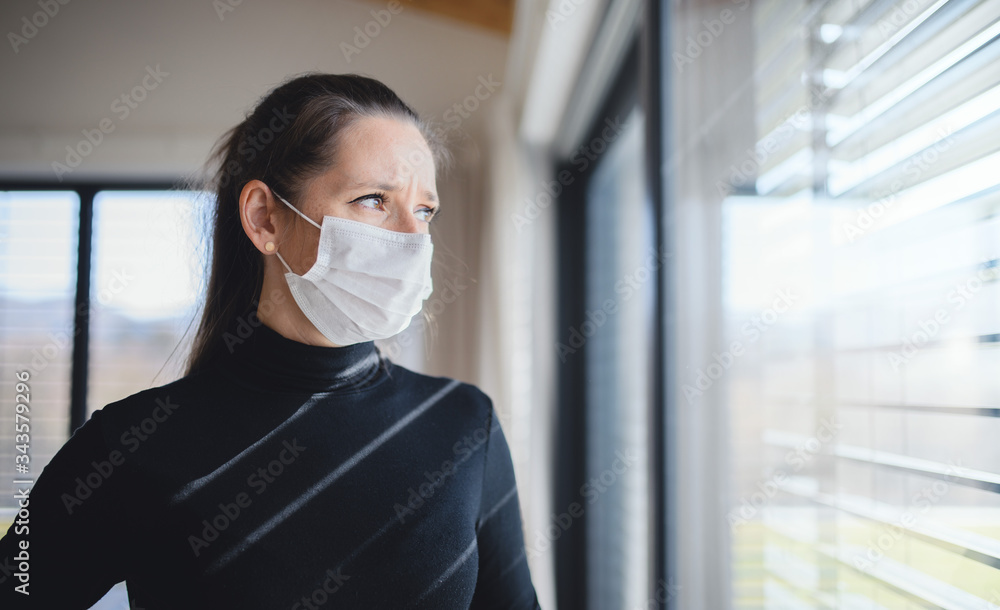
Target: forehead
{"x":383,"y":150}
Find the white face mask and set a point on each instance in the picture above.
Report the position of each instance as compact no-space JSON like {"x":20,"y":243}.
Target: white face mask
{"x":367,"y":282}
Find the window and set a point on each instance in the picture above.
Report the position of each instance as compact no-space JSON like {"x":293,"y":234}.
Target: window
{"x":38,"y":247}
{"x":861,"y":309}
{"x":611,"y":263}
{"x":622,"y":262}
{"x":144,"y":268}
{"x":148,"y":266}
{"x":144,"y":271}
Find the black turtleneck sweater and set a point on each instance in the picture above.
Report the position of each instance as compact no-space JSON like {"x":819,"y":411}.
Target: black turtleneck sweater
{"x":281,"y":476}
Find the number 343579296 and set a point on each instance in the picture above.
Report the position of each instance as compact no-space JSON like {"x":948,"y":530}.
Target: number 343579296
{"x":22,"y":422}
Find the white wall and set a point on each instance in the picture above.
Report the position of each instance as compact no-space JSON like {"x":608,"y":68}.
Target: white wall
{"x":65,"y":78}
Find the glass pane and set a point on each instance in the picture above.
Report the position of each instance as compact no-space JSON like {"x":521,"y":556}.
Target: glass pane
{"x":621,"y":267}
{"x":146,"y":283}
{"x":38,"y":246}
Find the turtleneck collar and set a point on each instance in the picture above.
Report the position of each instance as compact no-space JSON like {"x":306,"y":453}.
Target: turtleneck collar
{"x":270,"y":361}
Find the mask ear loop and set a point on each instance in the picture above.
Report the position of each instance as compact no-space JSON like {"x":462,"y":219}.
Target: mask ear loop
{"x":299,"y":212}
{"x":289,"y":269}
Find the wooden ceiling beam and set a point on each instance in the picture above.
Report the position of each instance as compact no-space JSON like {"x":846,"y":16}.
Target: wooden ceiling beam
{"x":494,"y":15}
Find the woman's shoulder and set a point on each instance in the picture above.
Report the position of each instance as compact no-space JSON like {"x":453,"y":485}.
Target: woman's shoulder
{"x":156,"y":396}
{"x":453,"y":392}
{"x":139,"y":415}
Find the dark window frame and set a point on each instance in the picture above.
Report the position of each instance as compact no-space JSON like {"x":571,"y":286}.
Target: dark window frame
{"x":655,"y":93}
{"x":86,"y":191}
{"x":643,"y":72}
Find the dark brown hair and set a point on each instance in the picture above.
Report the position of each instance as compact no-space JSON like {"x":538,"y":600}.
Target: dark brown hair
{"x":290,"y":136}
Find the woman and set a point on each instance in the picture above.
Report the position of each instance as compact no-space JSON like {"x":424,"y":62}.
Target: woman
{"x":294,"y":466}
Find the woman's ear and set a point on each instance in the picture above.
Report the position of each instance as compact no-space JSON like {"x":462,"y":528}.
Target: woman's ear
{"x":258,"y":214}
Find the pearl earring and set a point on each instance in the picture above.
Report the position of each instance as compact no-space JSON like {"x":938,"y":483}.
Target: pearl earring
{"x":269,"y":246}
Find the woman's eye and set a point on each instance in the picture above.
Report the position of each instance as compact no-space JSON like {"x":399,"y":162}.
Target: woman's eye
{"x":373,"y":203}
{"x":427,"y":213}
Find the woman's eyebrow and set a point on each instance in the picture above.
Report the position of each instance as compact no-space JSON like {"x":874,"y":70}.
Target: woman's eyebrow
{"x":385,"y":186}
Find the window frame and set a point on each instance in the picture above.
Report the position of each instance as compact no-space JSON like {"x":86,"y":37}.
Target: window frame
{"x":86,"y":191}
{"x":649,"y":50}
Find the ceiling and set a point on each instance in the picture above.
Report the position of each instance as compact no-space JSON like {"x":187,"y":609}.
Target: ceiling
{"x":220,"y":56}
{"x":496,"y":15}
